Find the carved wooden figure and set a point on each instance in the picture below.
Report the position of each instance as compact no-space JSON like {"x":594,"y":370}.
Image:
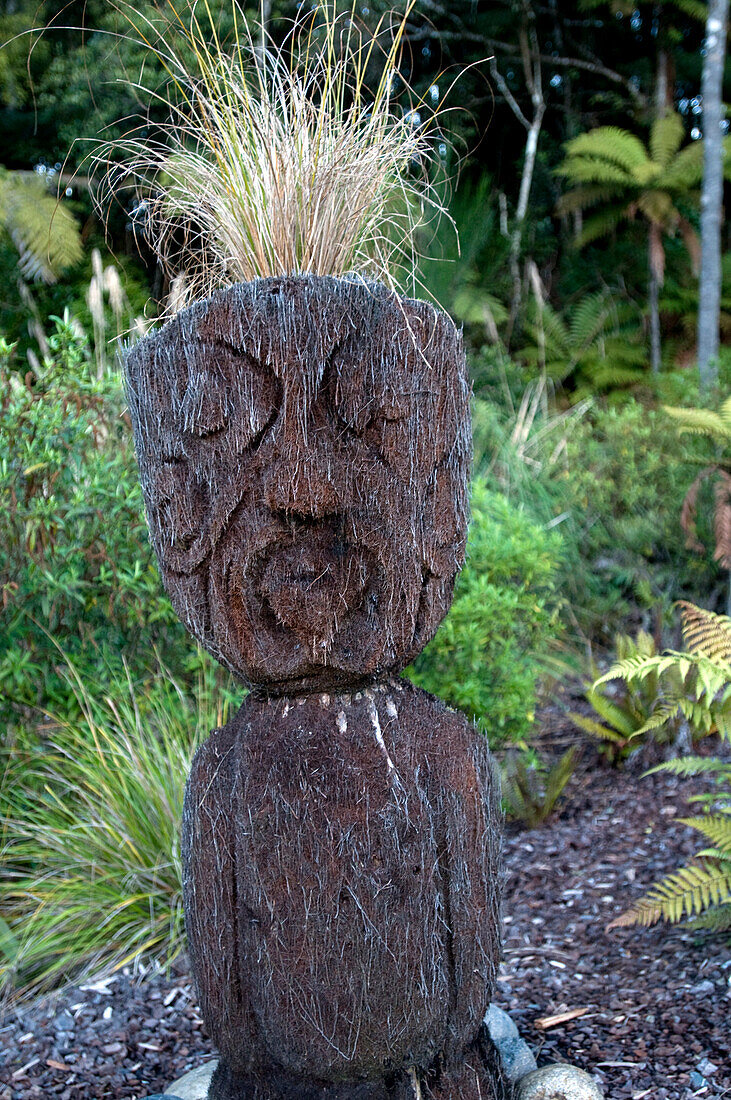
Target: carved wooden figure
{"x":304,"y":452}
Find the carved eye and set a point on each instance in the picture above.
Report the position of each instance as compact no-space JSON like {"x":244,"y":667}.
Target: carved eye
{"x":228,"y":392}
{"x":169,"y":480}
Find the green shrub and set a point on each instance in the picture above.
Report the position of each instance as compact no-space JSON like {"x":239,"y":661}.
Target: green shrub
{"x":90,"y":813}
{"x":75,"y":561}
{"x":626,"y":475}
{"x":486,"y":656}
{"x":612,"y":481}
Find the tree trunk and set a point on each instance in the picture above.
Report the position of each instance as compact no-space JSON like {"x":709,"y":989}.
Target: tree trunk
{"x":709,"y":288}
{"x":654,"y":304}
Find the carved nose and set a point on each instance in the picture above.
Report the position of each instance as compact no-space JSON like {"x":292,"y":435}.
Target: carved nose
{"x":305,"y":485}
{"x":307,"y":475}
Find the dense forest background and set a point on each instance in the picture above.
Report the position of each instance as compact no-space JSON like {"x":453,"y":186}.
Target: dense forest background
{"x":523,"y":79}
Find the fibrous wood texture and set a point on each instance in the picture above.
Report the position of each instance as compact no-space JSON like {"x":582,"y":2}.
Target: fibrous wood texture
{"x":304,"y":450}
{"x":341,"y":890}
{"x":304,"y":453}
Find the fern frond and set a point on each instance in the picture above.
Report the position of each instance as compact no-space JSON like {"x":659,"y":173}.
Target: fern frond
{"x":696,"y":9}
{"x":706,"y":633}
{"x":685,"y":170}
{"x":615,"y":377}
{"x":700,"y":422}
{"x":610,"y":143}
{"x":686,"y":766}
{"x":601,"y":224}
{"x":666,"y":137}
{"x":596,"y":729}
{"x":686,"y":892}
{"x":584,"y":197}
{"x":589,"y":318}
{"x":725,"y":414}
{"x":657,"y":206}
{"x":559,"y":775}
{"x":595,"y":170}
{"x":639,"y":668}
{"x":717,"y":827}
{"x":617,"y":717}
{"x":42,"y":229}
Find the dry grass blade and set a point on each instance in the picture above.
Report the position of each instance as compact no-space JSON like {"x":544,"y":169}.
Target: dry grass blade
{"x":277,"y":160}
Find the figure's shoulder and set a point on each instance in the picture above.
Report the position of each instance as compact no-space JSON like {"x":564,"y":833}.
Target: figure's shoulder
{"x":216,"y":752}
{"x":450,"y":742}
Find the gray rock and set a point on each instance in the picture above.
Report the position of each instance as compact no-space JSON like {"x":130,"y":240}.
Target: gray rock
{"x":559,"y":1082}
{"x":697,"y":1080}
{"x":194,"y":1085}
{"x":707,"y":1067}
{"x":515,"y":1055}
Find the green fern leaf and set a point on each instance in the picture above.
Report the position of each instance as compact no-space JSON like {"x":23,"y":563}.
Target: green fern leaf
{"x":694,"y":8}
{"x":687,"y":766}
{"x":610,"y":143}
{"x":43,"y":231}
{"x":700,"y":422}
{"x":584,"y":198}
{"x":686,"y":892}
{"x":685,"y":170}
{"x":601,"y":224}
{"x":596,"y":729}
{"x":666,"y":137}
{"x":595,"y":170}
{"x":717,"y":827}
{"x":657,"y":206}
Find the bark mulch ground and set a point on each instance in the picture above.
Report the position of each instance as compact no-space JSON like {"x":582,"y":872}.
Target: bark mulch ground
{"x":656,"y":1003}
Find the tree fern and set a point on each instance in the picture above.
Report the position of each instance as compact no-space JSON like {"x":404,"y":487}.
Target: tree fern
{"x":43,"y":231}
{"x":611,"y":172}
{"x":666,"y":137}
{"x":608,"y":144}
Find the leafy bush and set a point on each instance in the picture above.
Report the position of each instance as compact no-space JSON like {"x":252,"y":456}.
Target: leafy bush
{"x":532,"y":788}
{"x":90,"y":810}
{"x":75,"y":560}
{"x":621,"y":486}
{"x":486,"y":656}
{"x":612,"y":482}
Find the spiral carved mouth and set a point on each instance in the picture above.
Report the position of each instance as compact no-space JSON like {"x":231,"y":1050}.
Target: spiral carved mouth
{"x":313,"y":583}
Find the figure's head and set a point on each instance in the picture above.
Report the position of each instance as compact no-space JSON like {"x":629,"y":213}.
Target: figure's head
{"x":304,"y":453}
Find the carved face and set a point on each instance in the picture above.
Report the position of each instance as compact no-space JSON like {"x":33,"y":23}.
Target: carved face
{"x":304,"y":449}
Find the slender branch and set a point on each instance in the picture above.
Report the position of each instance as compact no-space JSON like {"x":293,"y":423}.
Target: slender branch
{"x":507,"y":94}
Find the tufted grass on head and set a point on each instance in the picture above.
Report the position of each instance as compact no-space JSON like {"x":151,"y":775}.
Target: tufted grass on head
{"x":279,"y":160}
{"x":90,"y":813}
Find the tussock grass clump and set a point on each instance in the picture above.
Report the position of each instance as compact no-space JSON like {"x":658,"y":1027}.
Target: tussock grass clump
{"x":278,"y":160}
{"x":89,"y":823}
